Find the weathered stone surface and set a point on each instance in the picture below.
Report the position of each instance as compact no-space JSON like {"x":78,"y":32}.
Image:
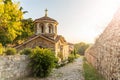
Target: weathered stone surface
{"x":14,"y":67}
{"x":104,"y":55}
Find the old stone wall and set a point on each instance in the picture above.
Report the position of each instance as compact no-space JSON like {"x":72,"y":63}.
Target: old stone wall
{"x":104,"y":55}
{"x":14,"y":67}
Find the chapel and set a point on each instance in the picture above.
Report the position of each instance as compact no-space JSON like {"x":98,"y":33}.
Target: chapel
{"x":45,"y":36}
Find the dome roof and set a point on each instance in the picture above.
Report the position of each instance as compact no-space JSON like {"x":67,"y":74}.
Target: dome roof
{"x":45,"y":19}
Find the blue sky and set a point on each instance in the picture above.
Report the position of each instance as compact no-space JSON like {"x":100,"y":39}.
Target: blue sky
{"x":79,"y":20}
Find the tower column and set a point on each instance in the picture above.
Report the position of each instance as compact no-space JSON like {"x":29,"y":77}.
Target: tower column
{"x":38,"y":29}
{"x":53,"y":28}
{"x":46,"y":27}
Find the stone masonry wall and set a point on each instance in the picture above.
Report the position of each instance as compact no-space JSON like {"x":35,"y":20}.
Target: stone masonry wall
{"x":40,"y":42}
{"x":104,"y":55}
{"x":14,"y":67}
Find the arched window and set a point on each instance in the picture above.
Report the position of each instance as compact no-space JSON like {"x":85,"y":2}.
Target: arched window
{"x":50,"y":26}
{"x":41,"y":26}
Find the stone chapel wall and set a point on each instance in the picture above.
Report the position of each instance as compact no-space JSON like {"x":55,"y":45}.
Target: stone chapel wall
{"x":40,"y":42}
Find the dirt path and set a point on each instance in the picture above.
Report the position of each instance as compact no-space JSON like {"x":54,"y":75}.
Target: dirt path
{"x":71,"y":71}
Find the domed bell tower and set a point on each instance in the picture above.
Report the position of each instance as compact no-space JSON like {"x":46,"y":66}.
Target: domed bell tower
{"x":46,"y":26}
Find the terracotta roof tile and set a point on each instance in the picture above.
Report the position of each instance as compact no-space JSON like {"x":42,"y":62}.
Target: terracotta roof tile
{"x":45,"y":19}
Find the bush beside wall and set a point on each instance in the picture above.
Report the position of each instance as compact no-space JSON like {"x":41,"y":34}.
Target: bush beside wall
{"x":42,"y":62}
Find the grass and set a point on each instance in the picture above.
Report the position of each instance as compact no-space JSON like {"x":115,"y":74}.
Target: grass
{"x":90,"y":73}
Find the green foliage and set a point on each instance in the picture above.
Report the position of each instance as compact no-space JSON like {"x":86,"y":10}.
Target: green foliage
{"x":71,"y":58}
{"x":1,"y":49}
{"x":26,"y":51}
{"x":10,"y":21}
{"x":27,"y":30}
{"x":81,"y":48}
{"x":10,"y":51}
{"x":28,"y":27}
{"x":42,"y":62}
{"x":77,"y":56}
{"x":90,"y":73}
{"x":56,"y":62}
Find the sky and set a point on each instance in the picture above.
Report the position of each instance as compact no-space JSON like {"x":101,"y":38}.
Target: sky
{"x":79,"y":20}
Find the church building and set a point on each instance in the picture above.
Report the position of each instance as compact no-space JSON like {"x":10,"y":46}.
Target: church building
{"x":46,"y":36}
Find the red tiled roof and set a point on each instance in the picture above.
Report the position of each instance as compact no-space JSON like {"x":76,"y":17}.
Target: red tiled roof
{"x":45,"y":18}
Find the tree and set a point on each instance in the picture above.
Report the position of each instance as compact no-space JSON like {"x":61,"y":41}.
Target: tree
{"x":81,"y":47}
{"x":10,"y":21}
{"x":27,"y":30}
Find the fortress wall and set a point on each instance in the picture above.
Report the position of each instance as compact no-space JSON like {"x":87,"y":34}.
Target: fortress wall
{"x":104,"y":55}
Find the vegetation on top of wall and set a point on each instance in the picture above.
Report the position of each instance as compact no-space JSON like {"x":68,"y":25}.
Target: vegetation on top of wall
{"x":1,"y":49}
{"x":42,"y":62}
{"x":10,"y":51}
{"x":90,"y":73}
{"x":26,"y":51}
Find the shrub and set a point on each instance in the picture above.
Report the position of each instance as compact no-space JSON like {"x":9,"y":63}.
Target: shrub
{"x":42,"y":62}
{"x":71,"y":58}
{"x":77,"y":56}
{"x":10,"y":51}
{"x":56,"y":62}
{"x":26,"y":51}
{"x":1,"y":49}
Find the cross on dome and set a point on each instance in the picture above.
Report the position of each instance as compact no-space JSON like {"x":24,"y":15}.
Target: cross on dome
{"x":46,"y":14}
